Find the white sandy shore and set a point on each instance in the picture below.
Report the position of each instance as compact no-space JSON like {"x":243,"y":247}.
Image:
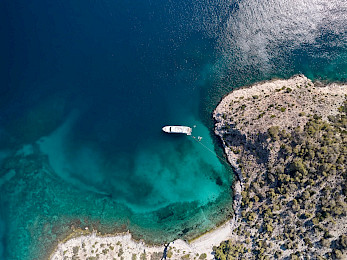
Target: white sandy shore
{"x":122,"y":246}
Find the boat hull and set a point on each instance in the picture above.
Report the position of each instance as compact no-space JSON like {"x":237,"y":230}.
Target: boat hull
{"x":177,"y":129}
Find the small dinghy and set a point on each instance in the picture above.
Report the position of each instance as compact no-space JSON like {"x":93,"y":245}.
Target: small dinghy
{"x":177,"y":129}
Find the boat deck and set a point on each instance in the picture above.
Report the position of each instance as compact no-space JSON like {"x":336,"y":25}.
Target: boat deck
{"x":176,"y":129}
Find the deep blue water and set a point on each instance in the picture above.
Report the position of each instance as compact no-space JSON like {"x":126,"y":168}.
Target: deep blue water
{"x":87,"y":85}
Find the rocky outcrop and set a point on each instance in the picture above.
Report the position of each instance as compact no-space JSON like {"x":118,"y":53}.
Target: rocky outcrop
{"x":286,"y":141}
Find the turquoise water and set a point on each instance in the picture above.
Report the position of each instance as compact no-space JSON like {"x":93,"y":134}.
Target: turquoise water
{"x":87,"y":86}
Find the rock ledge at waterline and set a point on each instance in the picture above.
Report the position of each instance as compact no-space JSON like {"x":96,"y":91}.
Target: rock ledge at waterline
{"x":287,"y":141}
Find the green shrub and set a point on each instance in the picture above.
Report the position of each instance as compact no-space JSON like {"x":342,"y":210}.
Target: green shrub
{"x":273,"y":132}
{"x":269,"y":228}
{"x":338,"y":254}
{"x":343,"y":241}
{"x":298,"y":165}
{"x":169,"y":254}
{"x":75,"y":249}
{"x":143,"y":256}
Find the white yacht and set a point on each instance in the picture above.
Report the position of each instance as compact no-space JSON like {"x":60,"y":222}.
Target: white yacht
{"x":177,"y":129}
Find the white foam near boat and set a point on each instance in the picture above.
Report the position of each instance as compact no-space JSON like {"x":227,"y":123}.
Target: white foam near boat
{"x":177,"y":129}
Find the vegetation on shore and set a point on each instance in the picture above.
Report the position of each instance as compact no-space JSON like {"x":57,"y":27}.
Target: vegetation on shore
{"x":294,"y":193}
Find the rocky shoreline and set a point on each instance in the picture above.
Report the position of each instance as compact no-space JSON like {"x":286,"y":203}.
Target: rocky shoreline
{"x":264,"y":128}
{"x":273,"y":133}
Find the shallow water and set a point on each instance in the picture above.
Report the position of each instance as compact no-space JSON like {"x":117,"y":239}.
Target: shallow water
{"x":87,"y":86}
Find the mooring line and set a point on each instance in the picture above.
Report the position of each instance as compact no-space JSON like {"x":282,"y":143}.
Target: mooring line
{"x":199,"y":141}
